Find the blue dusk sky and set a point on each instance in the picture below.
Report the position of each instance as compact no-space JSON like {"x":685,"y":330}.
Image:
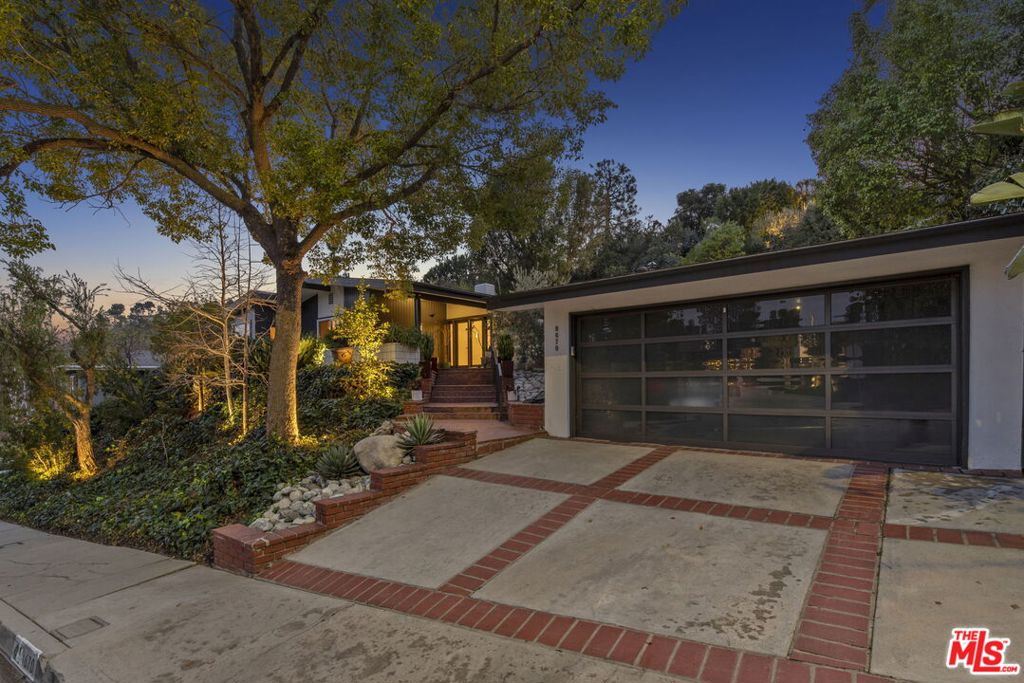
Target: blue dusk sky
{"x":723,"y":96}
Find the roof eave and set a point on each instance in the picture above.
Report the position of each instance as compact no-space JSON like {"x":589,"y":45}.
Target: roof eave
{"x":965,"y":232}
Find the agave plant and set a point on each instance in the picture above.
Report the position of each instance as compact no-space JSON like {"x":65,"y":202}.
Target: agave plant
{"x":338,"y":462}
{"x":420,"y":431}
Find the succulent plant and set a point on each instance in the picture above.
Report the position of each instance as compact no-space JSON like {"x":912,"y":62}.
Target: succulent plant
{"x":420,"y":431}
{"x":338,"y":462}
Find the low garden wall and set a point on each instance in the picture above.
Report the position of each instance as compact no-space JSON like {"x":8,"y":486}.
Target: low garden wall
{"x":243,"y":549}
{"x":529,"y":415}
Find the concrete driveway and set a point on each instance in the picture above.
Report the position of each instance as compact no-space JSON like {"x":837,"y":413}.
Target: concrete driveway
{"x":707,"y":565}
{"x":564,"y":561}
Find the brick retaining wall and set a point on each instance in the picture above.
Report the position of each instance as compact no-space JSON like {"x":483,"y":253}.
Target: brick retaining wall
{"x":240,"y":548}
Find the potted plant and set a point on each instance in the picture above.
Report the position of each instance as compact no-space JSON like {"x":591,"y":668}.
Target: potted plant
{"x":339,"y":347}
{"x":417,"y":390}
{"x":505,"y":349}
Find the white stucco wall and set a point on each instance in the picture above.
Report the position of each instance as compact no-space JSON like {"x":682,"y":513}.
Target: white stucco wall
{"x":324,"y":307}
{"x":995,"y":360}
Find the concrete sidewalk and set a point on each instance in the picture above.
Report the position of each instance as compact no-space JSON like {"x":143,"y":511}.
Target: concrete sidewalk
{"x":103,"y":614}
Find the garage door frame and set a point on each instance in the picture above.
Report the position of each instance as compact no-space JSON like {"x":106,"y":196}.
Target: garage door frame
{"x":958,"y":319}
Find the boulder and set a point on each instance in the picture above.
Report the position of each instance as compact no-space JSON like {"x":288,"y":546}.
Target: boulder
{"x":379,"y":452}
{"x":387,"y":427}
{"x":262,"y":525}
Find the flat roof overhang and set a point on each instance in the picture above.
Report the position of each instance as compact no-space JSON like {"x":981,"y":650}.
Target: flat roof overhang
{"x":440,"y":293}
{"x":889,"y":244}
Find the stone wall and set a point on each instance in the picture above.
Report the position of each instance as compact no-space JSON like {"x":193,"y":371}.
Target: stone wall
{"x":529,"y":385}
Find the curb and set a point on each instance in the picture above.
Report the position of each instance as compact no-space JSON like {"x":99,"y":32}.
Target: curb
{"x":26,"y":658}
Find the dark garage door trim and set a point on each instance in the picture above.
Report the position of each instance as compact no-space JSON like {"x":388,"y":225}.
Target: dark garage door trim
{"x":812,"y":383}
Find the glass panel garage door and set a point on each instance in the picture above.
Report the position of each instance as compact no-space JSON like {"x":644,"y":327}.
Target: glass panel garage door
{"x":865,"y":371}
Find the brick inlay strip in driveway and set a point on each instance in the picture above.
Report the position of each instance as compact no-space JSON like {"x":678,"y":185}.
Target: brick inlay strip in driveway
{"x":684,"y":658}
{"x":753,"y":514}
{"x":474,"y":577}
{"x":835,"y":626}
{"x":993,"y":539}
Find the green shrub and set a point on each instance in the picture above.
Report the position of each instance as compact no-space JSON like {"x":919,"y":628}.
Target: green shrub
{"x":506,"y":349}
{"x":171,"y":480}
{"x":338,"y":462}
{"x":49,"y":462}
{"x":403,"y":375}
{"x":420,"y":431}
{"x":410,"y":336}
{"x":311,"y":354}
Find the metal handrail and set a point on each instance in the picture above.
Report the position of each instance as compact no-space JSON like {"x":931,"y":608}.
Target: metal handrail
{"x":496,"y":374}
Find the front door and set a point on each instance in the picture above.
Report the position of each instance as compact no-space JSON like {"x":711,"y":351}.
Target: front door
{"x":470,"y":339}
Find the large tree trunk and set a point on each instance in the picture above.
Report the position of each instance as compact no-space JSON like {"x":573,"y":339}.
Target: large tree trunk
{"x":282,"y":402}
{"x":83,"y":445}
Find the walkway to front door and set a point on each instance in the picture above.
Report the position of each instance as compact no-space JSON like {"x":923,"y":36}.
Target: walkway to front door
{"x":708,"y":566}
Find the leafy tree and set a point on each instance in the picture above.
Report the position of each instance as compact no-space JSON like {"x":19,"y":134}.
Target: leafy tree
{"x":575,"y":224}
{"x":44,"y":349}
{"x":1008,"y":123}
{"x":892,"y":137}
{"x":813,"y":227}
{"x":721,"y":241}
{"x":362,"y":325}
{"x":340,"y":132}
{"x":694,"y":208}
{"x":751,"y":204}
{"x":463,"y":270}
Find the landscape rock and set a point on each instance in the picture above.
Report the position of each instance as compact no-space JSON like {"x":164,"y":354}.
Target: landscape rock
{"x":379,"y":452}
{"x":386,"y":429}
{"x":293,"y":503}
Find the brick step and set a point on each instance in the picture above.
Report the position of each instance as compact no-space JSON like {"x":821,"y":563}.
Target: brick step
{"x":462,"y":377}
{"x":463,"y":411}
{"x":478,"y":394}
{"x":461,"y":399}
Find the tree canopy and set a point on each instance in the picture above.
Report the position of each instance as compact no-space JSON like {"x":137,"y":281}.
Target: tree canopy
{"x":338,"y":132}
{"x":892,"y":137}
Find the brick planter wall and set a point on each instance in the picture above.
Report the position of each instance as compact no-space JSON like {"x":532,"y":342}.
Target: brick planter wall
{"x":243,"y":549}
{"x":413,"y":407}
{"x":529,"y":415}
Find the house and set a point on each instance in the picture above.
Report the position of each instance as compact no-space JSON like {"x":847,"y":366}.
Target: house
{"x":457,"y":319}
{"x":903,"y":347}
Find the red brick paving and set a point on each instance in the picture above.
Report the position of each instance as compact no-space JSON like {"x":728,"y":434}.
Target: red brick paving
{"x":954,"y":536}
{"x":835,"y":627}
{"x":831,"y":644}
